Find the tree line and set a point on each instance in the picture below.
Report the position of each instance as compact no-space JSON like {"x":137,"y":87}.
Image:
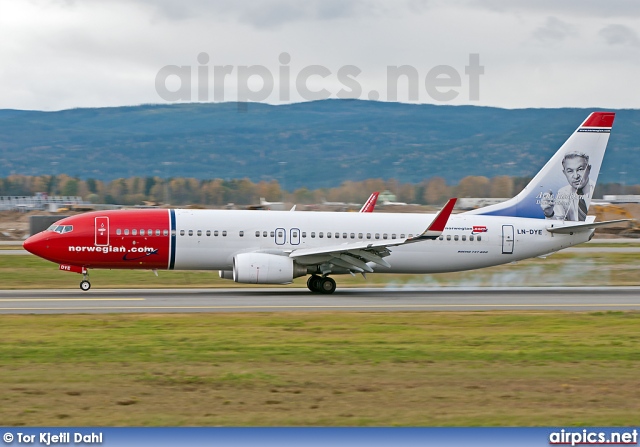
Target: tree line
{"x":219,"y":192}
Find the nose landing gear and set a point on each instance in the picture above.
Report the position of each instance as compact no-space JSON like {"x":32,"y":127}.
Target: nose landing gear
{"x":85,"y":284}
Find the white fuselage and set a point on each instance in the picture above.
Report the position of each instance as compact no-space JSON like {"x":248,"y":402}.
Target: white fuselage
{"x":209,"y":239}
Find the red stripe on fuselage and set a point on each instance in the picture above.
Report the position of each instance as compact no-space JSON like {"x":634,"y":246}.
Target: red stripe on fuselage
{"x":148,"y":248}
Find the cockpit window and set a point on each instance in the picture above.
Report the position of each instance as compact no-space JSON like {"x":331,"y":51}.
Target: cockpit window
{"x":61,"y":228}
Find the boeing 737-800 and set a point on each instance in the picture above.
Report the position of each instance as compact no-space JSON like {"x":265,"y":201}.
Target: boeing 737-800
{"x":275,"y":247}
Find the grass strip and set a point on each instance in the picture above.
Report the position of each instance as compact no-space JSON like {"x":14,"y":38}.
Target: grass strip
{"x":334,"y":369}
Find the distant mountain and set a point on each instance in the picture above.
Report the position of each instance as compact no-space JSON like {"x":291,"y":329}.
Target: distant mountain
{"x":323,"y":143}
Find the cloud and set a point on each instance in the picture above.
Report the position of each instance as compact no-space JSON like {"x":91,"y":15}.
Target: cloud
{"x":581,"y":8}
{"x":554,"y":30}
{"x":620,"y":35}
{"x":71,"y":53}
{"x":266,"y":14}
{"x":263,"y":13}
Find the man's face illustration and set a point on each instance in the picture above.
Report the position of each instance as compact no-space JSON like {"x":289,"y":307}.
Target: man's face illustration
{"x":577,"y":172}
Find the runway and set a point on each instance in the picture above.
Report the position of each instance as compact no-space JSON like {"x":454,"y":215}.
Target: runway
{"x":301,"y":300}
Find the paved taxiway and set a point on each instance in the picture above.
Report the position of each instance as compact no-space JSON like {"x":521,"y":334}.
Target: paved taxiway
{"x":301,"y":300}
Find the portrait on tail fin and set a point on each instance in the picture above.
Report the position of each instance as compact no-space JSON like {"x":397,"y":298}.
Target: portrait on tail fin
{"x":571,"y":202}
{"x":563,"y":188}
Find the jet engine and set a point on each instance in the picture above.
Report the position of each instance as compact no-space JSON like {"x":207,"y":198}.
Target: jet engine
{"x":264,"y":268}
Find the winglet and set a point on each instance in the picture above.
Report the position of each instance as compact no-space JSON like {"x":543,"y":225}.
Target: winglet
{"x":370,"y":204}
{"x":436,"y":227}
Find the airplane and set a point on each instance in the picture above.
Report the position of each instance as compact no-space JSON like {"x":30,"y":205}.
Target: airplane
{"x":388,"y":203}
{"x":276,"y":247}
{"x":271,"y":205}
{"x":370,"y":204}
{"x":368,"y":207}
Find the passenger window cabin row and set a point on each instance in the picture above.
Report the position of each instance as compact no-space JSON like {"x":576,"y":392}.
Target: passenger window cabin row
{"x":271,"y":234}
{"x":208,"y":233}
{"x":141,"y":232}
{"x":455,"y":237}
{"x":328,"y":235}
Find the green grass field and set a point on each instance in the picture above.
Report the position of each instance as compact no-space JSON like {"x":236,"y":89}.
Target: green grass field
{"x":334,"y":369}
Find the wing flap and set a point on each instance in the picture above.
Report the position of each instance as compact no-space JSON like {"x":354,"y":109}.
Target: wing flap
{"x":346,"y":248}
{"x":371,"y":257}
{"x":356,"y":262}
{"x":348,"y":265}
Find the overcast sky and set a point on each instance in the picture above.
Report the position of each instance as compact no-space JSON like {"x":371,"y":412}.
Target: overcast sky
{"x":59,"y":54}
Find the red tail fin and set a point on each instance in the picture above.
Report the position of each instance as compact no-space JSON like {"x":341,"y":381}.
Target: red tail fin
{"x":370,"y":204}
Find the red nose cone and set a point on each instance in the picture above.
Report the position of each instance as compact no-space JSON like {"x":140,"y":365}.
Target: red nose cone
{"x":36,"y":244}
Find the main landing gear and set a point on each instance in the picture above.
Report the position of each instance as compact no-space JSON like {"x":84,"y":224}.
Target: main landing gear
{"x":85,"y":284}
{"x":321,"y":284}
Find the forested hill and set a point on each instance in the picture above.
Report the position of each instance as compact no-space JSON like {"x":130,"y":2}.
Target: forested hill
{"x":323,"y":143}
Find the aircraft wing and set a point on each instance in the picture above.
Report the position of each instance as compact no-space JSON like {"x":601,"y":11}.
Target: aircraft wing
{"x":354,"y":256}
{"x":566,"y":229}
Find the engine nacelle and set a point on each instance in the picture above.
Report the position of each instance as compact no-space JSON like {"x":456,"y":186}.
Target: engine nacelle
{"x":263,"y":268}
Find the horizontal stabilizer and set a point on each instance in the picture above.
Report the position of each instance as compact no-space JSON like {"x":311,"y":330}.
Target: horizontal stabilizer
{"x":567,"y":229}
